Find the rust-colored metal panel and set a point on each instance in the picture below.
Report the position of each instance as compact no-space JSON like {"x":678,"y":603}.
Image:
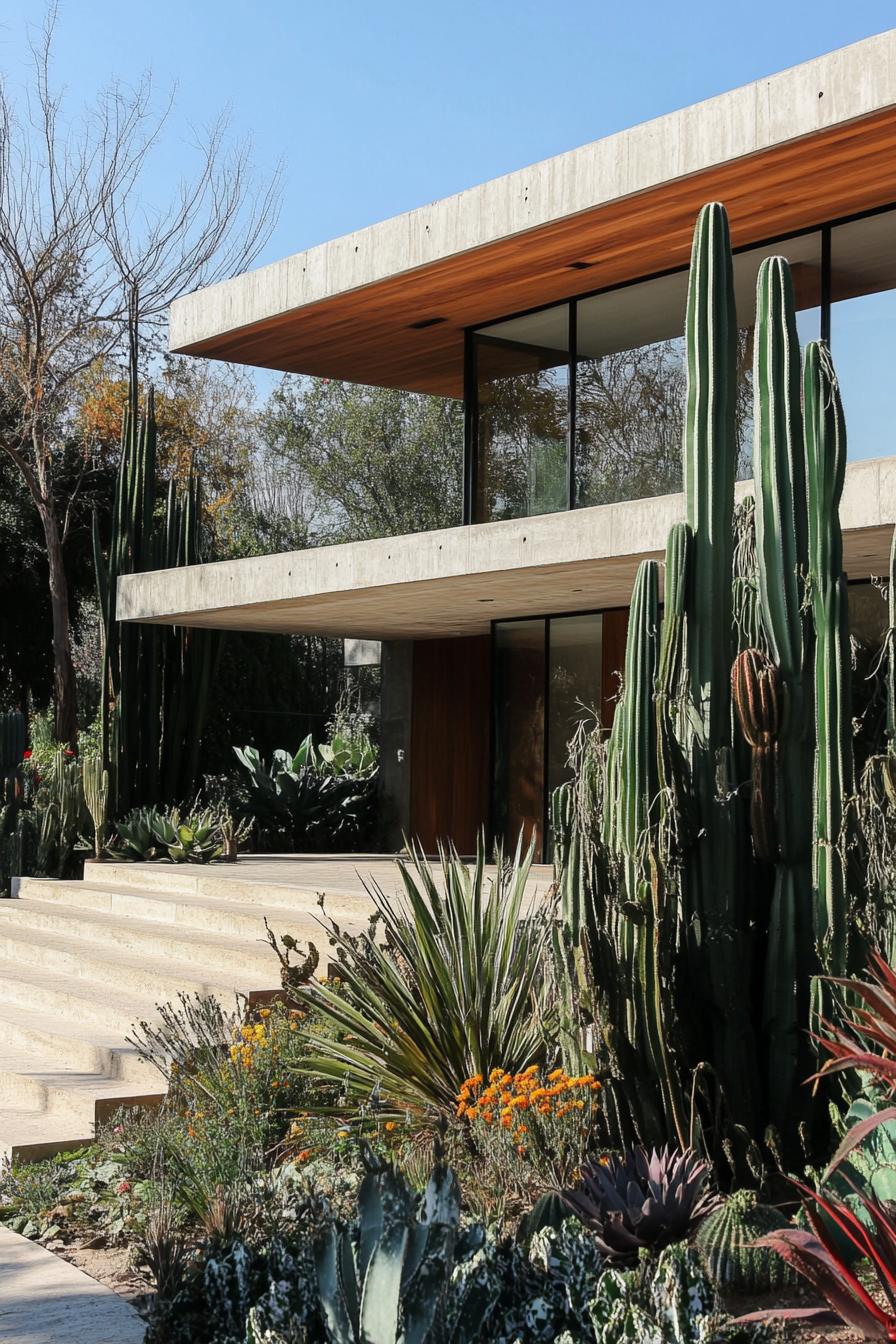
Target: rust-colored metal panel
{"x":450,"y":728}
{"x":615,"y":630}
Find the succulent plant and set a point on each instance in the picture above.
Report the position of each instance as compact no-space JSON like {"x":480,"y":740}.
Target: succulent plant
{"x":726,"y":1241}
{"x":643,"y":1200}
{"x":673,"y":1302}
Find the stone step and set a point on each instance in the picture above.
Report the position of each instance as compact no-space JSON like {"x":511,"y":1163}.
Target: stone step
{"x":224,"y":881}
{"x":82,"y":963}
{"x":29,"y":1136}
{"x":236,"y":919}
{"x":30,"y":986}
{"x":112,"y":968}
{"x":82,"y":1099}
{"x":49,"y":1036}
{"x":249,"y":960}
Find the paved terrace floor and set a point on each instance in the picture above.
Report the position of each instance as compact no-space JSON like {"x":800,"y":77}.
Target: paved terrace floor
{"x":313,"y":874}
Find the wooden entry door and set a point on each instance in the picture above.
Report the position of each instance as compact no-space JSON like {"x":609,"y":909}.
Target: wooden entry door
{"x":450,"y":740}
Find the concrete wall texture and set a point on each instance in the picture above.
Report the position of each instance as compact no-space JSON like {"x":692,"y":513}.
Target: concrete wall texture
{"x":842,"y":86}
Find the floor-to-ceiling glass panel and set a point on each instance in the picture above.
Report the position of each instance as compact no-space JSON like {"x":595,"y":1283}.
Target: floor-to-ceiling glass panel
{"x":522,"y":391}
{"x":863,"y":331}
{"x":574,"y":686}
{"x":519,"y":731}
{"x":631,"y":374}
{"x":630,"y":385}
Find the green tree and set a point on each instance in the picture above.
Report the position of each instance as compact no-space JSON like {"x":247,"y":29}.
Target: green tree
{"x":87,"y":261}
{"x":374,"y":462}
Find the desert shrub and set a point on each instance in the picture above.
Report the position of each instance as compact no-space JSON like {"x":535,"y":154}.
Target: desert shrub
{"x":531,"y":1131}
{"x":87,"y":1190}
{"x":233,"y":1093}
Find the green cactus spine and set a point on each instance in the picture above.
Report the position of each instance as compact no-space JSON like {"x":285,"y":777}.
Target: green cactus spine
{"x":726,"y":1243}
{"x":825,"y":435}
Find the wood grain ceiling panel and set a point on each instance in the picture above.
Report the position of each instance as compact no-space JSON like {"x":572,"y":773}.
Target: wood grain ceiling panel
{"x":366,"y":335}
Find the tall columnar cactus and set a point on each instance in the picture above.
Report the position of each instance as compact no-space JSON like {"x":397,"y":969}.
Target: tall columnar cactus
{"x":783,"y":556}
{"x":825,"y":433}
{"x":634,"y":782}
{"x":716,"y":941}
{"x":155,"y":679}
{"x":632,"y":832}
{"x":96,"y":795}
{"x":12,"y":742}
{"x":712,"y":871}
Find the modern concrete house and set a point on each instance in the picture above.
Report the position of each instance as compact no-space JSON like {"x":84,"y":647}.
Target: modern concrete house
{"x":552,"y":302}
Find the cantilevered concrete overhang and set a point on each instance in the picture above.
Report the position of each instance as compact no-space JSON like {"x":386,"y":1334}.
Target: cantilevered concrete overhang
{"x":458,"y":580}
{"x":388,"y":305}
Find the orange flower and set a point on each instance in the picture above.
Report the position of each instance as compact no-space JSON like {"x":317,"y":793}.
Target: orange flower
{"x":390,"y":1125}
{"x":304,"y":1155}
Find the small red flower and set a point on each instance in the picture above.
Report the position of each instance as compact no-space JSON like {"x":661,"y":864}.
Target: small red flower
{"x":124,"y":1187}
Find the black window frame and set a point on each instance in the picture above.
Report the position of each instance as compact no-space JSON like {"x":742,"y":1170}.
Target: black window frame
{"x":471,"y":416}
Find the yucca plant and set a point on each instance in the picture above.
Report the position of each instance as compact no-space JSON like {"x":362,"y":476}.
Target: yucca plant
{"x":450,"y":981}
{"x":642,"y":1200}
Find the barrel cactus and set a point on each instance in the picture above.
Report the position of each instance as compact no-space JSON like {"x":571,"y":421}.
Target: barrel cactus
{"x":726,"y":1241}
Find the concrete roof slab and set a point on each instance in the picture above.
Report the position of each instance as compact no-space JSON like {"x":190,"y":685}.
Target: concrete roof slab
{"x":457,"y":580}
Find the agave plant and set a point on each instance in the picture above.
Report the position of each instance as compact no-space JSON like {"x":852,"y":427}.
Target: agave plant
{"x":320,"y":804}
{"x":643,"y":1200}
{"x":191,"y":839}
{"x":450,"y":981}
{"x":136,"y":834}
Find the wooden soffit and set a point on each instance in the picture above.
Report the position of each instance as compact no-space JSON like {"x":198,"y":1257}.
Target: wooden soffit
{"x":371,"y":334}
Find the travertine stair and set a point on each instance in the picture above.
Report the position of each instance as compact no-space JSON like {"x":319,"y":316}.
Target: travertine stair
{"x":82,"y":962}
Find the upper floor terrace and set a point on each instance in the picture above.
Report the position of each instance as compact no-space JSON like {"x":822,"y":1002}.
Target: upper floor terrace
{"x":552,"y":299}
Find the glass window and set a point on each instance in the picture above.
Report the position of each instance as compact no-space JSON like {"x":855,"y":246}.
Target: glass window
{"x":522,"y":390}
{"x":630,"y":384}
{"x":631,"y":374}
{"x":574,"y":685}
{"x":863,"y":322}
{"x":518,"y":800}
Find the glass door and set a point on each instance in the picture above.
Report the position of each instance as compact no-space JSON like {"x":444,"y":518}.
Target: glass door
{"x":547,"y":679}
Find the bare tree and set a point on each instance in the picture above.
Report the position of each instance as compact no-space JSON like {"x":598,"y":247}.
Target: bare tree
{"x":86,"y":264}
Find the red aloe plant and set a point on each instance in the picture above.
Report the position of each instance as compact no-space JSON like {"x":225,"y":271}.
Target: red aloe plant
{"x":815,"y":1255}
{"x":875,"y":1025}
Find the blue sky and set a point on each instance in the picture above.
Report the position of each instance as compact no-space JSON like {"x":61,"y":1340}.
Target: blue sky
{"x":377,"y":108}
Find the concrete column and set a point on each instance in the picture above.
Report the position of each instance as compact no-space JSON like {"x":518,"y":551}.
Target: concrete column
{"x":396,"y":699}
